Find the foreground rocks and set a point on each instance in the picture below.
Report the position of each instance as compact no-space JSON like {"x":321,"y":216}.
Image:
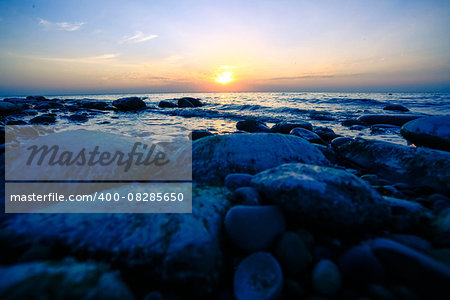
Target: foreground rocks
{"x":252,"y":126}
{"x":217,"y":156}
{"x":432,"y":132}
{"x":129,"y":104}
{"x":417,"y":167}
{"x":398,"y":120}
{"x":323,"y":197}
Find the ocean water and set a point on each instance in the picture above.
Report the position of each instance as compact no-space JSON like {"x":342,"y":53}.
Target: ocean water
{"x":221,"y":111}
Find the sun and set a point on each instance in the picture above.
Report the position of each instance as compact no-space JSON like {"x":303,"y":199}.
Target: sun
{"x":224,"y":75}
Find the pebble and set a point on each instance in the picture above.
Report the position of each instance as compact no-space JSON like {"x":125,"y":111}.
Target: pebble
{"x":292,"y":253}
{"x":252,"y":126}
{"x":286,"y":127}
{"x":326,"y":277}
{"x":247,"y":196}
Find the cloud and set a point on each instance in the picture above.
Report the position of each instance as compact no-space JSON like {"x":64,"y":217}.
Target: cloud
{"x":66,"y":26}
{"x":315,"y":76}
{"x":139,"y":37}
{"x":89,"y":59}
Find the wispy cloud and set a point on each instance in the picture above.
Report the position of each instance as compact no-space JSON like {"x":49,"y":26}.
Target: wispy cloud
{"x":66,"y":26}
{"x":139,"y":37}
{"x":315,"y":76}
{"x":90,"y":59}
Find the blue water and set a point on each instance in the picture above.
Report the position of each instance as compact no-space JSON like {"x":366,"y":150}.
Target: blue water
{"x":221,"y":111}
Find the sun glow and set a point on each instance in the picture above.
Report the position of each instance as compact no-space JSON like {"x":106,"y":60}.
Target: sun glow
{"x":224,"y":75}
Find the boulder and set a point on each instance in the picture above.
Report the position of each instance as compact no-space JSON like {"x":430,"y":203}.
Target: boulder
{"x":323,"y":197}
{"x":215,"y":157}
{"x":100,"y":105}
{"x":7,"y":108}
{"x":420,"y":167}
{"x":432,"y":132}
{"x":286,"y":127}
{"x":247,"y":196}
{"x":198,"y":134}
{"x":129,"y":104}
{"x":326,"y":277}
{"x":307,"y":135}
{"x":43,"y":120}
{"x":293,"y":254}
{"x":183,"y":102}
{"x":327,"y":134}
{"x":252,"y":126}
{"x":396,"y":107}
{"x":166,"y":104}
{"x":258,"y":276}
{"x":237,"y":180}
{"x":78,"y":118}
{"x":398,"y":120}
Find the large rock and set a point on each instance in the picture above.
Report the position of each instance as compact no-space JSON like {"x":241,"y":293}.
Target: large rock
{"x":398,"y":120}
{"x":417,"y":167}
{"x":216,"y":156}
{"x":433,"y":132}
{"x":396,"y":107}
{"x":252,"y":126}
{"x":323,"y":197}
{"x":258,"y":276}
{"x":175,"y":248}
{"x":129,"y":104}
{"x":286,"y":127}
{"x":416,"y":269}
{"x":326,"y":277}
{"x":61,"y":280}
{"x":7,"y":108}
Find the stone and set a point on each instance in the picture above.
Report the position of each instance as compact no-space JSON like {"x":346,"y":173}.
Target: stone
{"x":166,"y":104}
{"x":217,"y":156}
{"x":183,"y":103}
{"x":398,"y":120}
{"x":352,"y":122}
{"x":380,"y":292}
{"x":360,"y":266}
{"x":327,"y":134}
{"x":326,"y":277}
{"x":323,"y":197}
{"x":412,"y":241}
{"x":7,"y":108}
{"x":100,"y":105}
{"x":78,"y":118}
{"x":254,"y":228}
{"x":247,"y":196}
{"x":321,"y":116}
{"x":286,"y":127}
{"x":258,"y":276}
{"x":48,"y":105}
{"x":67,"y":279}
{"x":15,"y":122}
{"x":418,"y":167}
{"x":307,"y":135}
{"x":292,"y":253}
{"x":441,"y":228}
{"x":252,"y":126}
{"x":237,"y":180}
{"x":396,"y":107}
{"x":340,"y":141}
{"x":427,"y":275}
{"x":198,"y":134}
{"x":432,"y":132}
{"x":43,"y":120}
{"x":129,"y":104}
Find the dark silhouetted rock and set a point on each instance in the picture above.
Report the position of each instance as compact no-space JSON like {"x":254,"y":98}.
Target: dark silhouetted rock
{"x":396,"y":107}
{"x":352,"y":122}
{"x":95,"y":105}
{"x":183,"y":102}
{"x":307,"y":135}
{"x":43,"y":120}
{"x":7,"y":108}
{"x":432,"y":132}
{"x":198,"y":134}
{"x":166,"y":104}
{"x":326,"y":277}
{"x":340,"y":141}
{"x":327,"y":134}
{"x":292,"y":253}
{"x":247,"y":196}
{"x":286,"y":127}
{"x":398,"y":120}
{"x":252,"y":126}
{"x":237,"y":180}
{"x":129,"y":104}
{"x":78,"y":118}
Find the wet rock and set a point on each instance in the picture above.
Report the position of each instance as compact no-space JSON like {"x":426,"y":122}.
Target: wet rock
{"x":326,"y":277}
{"x":30,"y":112}
{"x":100,"y":105}
{"x":166,"y":104}
{"x":323,"y":197}
{"x":404,"y":264}
{"x":37,"y":98}
{"x":78,"y":118}
{"x":417,"y":167}
{"x":340,"y":141}
{"x":43,"y":120}
{"x":407,"y":215}
{"x":247,"y":196}
{"x":48,"y":105}
{"x":398,"y":120}
{"x":432,"y":132}
{"x":254,"y":228}
{"x":189,"y":102}
{"x":258,"y":276}
{"x":395,"y":107}
{"x":286,"y":127}
{"x":412,"y":241}
{"x":360,"y":266}
{"x":321,"y":116}
{"x":176,"y":248}
{"x":7,"y":108}
{"x":217,"y":156}
{"x":237,"y":180}
{"x":198,"y":134}
{"x":307,"y":135}
{"x":15,"y":122}
{"x":357,"y":127}
{"x":441,"y":228}
{"x":61,"y":280}
{"x":352,"y":122}
{"x":327,"y":134}
{"x":292,"y":253}
{"x":129,"y":104}
{"x":252,"y":126}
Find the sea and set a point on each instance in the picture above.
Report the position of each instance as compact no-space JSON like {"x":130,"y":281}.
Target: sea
{"x":221,"y":111}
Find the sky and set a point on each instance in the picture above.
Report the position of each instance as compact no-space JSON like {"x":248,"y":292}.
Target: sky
{"x":72,"y":47}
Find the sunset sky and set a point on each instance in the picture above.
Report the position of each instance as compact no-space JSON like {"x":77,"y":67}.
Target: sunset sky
{"x":57,"y":47}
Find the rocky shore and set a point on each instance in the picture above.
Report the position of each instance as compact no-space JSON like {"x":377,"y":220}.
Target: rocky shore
{"x":290,"y":211}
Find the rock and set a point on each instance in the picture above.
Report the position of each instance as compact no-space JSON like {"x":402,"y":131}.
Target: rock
{"x":43,"y":120}
{"x":357,"y":127}
{"x":352,"y":122}
{"x":15,"y":122}
{"x":321,"y":116}
{"x":61,"y":280}
{"x":100,"y":105}
{"x":441,"y":228}
{"x":78,"y":118}
{"x":379,"y":292}
{"x":398,"y":120}
{"x":323,"y":197}
{"x":307,"y":135}
{"x":129,"y":104}
{"x":412,"y":241}
{"x":340,"y":141}
{"x":175,"y":248}
{"x":395,"y":107}
{"x":48,"y":105}
{"x":286,"y":127}
{"x":254,"y":228}
{"x":292,"y":253}
{"x":432,"y":132}
{"x":30,"y":112}
{"x":360,"y":266}
{"x":182,"y":103}
{"x":252,"y":126}
{"x":7,"y":108}
{"x":198,"y":134}
{"x":217,"y":156}
{"x":426,"y":275}
{"x":258,"y":276}
{"x":325,"y":133}
{"x":417,"y":167}
{"x":247,"y":196}
{"x":37,"y":98}
{"x":166,"y":104}
{"x":237,"y":180}
{"x":326,"y":277}
{"x":407,"y":215}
